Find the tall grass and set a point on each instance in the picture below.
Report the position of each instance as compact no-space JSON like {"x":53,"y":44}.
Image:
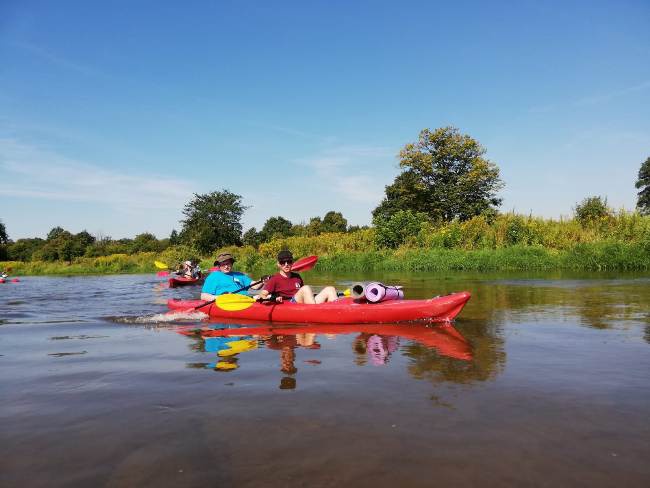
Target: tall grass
{"x":619,"y":241}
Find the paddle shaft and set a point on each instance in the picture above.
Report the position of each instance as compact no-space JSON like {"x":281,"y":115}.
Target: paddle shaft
{"x":254,"y":283}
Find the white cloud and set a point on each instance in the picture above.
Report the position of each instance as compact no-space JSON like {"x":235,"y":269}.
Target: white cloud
{"x":31,"y":172}
{"x":357,"y":173}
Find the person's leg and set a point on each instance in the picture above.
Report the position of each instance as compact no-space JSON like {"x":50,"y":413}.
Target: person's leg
{"x":327,"y":294}
{"x":304,"y":295}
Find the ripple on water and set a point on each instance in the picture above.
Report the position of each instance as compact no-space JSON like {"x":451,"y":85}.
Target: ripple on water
{"x":160,"y":318}
{"x":83,"y":336}
{"x":62,"y":354}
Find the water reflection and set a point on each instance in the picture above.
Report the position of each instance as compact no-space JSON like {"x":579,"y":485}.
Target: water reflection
{"x":428,"y":348}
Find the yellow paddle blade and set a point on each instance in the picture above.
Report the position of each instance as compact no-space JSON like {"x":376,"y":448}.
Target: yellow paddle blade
{"x":238,"y":346}
{"x":223,"y":365}
{"x":234,"y":302}
{"x":346,"y":292}
{"x":160,"y":265}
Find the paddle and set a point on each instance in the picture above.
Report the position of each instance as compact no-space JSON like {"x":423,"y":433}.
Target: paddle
{"x":161,"y":265}
{"x":234,"y":302}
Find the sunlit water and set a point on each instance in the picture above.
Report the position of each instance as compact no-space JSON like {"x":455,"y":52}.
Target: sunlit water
{"x":542,"y":381}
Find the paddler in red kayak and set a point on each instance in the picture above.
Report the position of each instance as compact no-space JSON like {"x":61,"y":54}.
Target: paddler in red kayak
{"x":287,"y":285}
{"x":226,"y":280}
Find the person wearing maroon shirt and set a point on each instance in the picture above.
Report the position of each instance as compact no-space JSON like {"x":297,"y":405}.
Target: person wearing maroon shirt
{"x":287,"y":285}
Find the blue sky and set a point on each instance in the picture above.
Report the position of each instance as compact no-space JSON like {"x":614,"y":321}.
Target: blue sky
{"x":113,"y":113}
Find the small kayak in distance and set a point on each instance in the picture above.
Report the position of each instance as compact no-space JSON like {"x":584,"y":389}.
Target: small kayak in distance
{"x":179,"y":281}
{"x":342,"y":311}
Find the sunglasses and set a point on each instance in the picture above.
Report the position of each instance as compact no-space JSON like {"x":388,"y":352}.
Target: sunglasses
{"x":286,"y":261}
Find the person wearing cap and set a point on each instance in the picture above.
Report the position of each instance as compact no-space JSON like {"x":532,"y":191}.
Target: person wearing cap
{"x":185,"y":270}
{"x":287,"y":285}
{"x":226,"y":280}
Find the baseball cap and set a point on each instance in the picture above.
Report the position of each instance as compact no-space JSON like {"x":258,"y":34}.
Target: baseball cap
{"x":285,"y":255}
{"x":223,"y":257}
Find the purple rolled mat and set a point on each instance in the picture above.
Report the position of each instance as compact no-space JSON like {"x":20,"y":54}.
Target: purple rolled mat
{"x":378,"y":292}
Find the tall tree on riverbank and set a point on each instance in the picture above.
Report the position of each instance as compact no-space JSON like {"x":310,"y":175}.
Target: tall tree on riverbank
{"x":4,"y":238}
{"x":643,"y":182}
{"x":275,"y":227}
{"x":212,"y":221}
{"x":445,"y":176}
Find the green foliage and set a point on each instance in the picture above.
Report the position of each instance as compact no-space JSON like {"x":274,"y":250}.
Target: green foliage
{"x":398,"y":228}
{"x":320,"y":245}
{"x":333,"y":222}
{"x":592,"y":210}
{"x":4,"y":238}
{"x":445,"y":176}
{"x":275,"y":227}
{"x":251,"y":237}
{"x":61,"y":245}
{"x":54,"y":233}
{"x":213,"y":220}
{"x":643,"y":183}
{"x":174,"y":255}
{"x":145,"y":242}
{"x":23,"y":249}
{"x":174,"y":239}
{"x":315,"y":226}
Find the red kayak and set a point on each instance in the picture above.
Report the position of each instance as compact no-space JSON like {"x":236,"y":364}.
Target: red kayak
{"x":444,"y":338}
{"x":342,"y":311}
{"x":179,"y":281}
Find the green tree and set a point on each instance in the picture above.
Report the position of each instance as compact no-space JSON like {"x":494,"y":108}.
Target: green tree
{"x":212,"y":221}
{"x":23,"y":249}
{"x":396,"y":229}
{"x":84,"y":238}
{"x":61,"y":247}
{"x":251,"y":237}
{"x":445,"y":176}
{"x":55,"y":232}
{"x":275,"y":227}
{"x":145,"y":242}
{"x":643,"y":182}
{"x":4,"y":240}
{"x":314,"y":227}
{"x":4,"y":237}
{"x":334,"y":222}
{"x":173,"y":238}
{"x":592,"y":209}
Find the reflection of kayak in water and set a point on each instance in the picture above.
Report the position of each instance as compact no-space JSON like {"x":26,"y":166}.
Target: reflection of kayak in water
{"x":444,"y":338}
{"x":227,"y":346}
{"x":342,"y":311}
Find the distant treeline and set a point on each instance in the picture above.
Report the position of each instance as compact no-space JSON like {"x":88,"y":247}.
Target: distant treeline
{"x":444,"y":199}
{"x":616,"y":241}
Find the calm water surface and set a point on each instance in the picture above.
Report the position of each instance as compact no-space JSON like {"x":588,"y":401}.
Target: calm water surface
{"x":542,"y":381}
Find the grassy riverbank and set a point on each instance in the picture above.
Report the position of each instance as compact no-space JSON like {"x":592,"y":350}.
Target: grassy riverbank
{"x":589,"y":257}
{"x":509,"y":242}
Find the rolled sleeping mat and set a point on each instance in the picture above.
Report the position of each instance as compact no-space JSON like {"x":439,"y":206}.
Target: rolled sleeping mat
{"x":358,"y":290}
{"x":378,"y":292}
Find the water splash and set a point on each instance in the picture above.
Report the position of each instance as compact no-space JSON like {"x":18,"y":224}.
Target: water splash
{"x":168,"y":317}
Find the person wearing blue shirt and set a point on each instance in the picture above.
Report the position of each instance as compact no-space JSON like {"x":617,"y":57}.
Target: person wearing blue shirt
{"x":226,"y":280}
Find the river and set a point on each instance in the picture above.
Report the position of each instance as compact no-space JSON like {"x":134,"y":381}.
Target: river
{"x":543,"y":380}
